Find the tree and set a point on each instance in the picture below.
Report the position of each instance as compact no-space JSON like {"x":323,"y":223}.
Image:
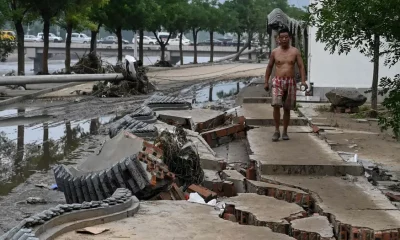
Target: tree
{"x":97,"y":17}
{"x":18,"y":11}
{"x":118,"y":14}
{"x":76,"y":16}
{"x":196,"y":22}
{"x":164,"y":18}
{"x":232,"y":21}
{"x":48,"y":10}
{"x":181,"y":24}
{"x":213,"y":22}
{"x":344,"y":25}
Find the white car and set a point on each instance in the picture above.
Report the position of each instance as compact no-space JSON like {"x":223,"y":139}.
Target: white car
{"x":79,"y":38}
{"x":146,"y":40}
{"x":175,"y":42}
{"x":32,"y":38}
{"x":52,"y":37}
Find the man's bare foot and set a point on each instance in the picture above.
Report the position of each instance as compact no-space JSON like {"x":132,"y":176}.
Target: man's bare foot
{"x":276,"y":136}
{"x":285,"y":136}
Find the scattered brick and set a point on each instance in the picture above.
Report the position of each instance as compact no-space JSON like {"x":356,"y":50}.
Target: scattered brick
{"x":315,"y":128}
{"x":202,"y":191}
{"x":393,"y":197}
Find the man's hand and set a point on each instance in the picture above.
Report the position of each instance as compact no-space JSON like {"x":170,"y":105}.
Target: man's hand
{"x":303,"y":86}
{"x":266,"y":86}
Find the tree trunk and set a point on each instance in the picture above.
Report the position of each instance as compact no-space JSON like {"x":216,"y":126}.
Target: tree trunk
{"x":250,"y":37}
{"x":238,"y":43}
{"x":195,"y":45}
{"x":93,"y":41}
{"x":162,"y":45}
{"x":375,"y":79}
{"x":21,"y":47}
{"x":46,"y":147}
{"x":46,"y":30}
{"x":211,"y":46}
{"x":180,"y":47}
{"x":119,"y":36}
{"x":68,"y":49}
{"x":141,"y":53}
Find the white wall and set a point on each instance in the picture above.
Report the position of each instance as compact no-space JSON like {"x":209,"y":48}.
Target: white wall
{"x":351,"y":71}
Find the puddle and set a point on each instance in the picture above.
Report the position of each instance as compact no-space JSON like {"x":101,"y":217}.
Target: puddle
{"x":25,"y":149}
{"x":206,"y":93}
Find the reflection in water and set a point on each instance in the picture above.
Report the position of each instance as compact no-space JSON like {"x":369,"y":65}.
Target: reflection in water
{"x":19,"y":159}
{"x":218,"y":91}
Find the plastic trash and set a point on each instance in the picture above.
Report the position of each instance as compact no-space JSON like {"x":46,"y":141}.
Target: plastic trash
{"x":196,"y":198}
{"x":212,"y":202}
{"x":53,"y":186}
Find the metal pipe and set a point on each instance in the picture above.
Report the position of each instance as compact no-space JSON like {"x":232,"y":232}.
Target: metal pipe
{"x":38,"y":79}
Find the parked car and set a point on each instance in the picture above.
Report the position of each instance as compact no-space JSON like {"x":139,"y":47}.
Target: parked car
{"x":146,"y":40}
{"x":7,"y":35}
{"x":112,"y":40}
{"x":225,"y":41}
{"x":208,"y":43}
{"x":175,"y":42}
{"x":52,"y":37}
{"x":234,"y":43}
{"x":79,"y":38}
{"x":32,"y":38}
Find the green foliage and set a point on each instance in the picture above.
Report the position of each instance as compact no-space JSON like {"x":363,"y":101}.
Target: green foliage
{"x":343,"y":25}
{"x":391,"y":120}
{"x":6,"y":47}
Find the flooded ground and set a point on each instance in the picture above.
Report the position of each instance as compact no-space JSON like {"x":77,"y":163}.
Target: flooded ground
{"x":31,"y":144}
{"x":217,"y":95}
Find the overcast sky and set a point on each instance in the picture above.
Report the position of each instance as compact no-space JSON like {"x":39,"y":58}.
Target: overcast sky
{"x":297,"y":3}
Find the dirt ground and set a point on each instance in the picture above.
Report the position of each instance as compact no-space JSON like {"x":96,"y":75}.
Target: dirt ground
{"x":362,"y":137}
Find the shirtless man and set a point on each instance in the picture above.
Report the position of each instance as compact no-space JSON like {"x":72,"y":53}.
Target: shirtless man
{"x":283,"y":84}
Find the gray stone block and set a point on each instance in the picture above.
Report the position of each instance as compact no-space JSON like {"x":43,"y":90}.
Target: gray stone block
{"x":78,"y":189}
{"x":92,"y":191}
{"x":103,"y":182}
{"x":97,"y":187}
{"x":85,"y":189}
{"x":111,"y":181}
{"x":73,"y":190}
{"x":67,"y":191}
{"x":117,"y":175}
{"x":20,"y":233}
{"x":25,"y":236}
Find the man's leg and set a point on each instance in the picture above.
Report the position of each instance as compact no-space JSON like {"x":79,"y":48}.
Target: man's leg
{"x":286,"y":120}
{"x":277,"y":120}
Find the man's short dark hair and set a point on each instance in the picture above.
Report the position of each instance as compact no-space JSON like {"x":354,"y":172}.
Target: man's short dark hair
{"x":284,"y":30}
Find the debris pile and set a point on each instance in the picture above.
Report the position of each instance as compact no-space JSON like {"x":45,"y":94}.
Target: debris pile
{"x":181,"y":157}
{"x":162,"y":64}
{"x":90,"y":64}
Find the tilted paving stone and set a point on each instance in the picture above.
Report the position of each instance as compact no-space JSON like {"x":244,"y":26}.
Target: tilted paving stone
{"x":72,"y":189}
{"x":117,"y":175}
{"x":92,"y":191}
{"x":103,"y":182}
{"x":67,"y":191}
{"x":78,"y":189}
{"x":85,"y":189}
{"x":97,"y":187}
{"x":111,"y":180}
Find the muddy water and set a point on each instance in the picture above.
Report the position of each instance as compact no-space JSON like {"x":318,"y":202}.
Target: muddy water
{"x":30,"y":144}
{"x":213,"y":91}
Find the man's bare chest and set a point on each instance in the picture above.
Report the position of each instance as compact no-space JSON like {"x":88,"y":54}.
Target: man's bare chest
{"x":285,"y":58}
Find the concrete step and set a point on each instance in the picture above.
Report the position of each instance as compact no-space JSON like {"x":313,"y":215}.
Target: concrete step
{"x":262,"y":115}
{"x":303,"y":154}
{"x":354,"y":208}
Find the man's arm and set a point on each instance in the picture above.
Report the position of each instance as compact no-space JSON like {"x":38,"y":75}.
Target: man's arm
{"x":300,"y":64}
{"x":269,"y":68}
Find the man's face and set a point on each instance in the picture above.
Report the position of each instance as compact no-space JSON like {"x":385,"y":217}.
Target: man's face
{"x":284,"y":39}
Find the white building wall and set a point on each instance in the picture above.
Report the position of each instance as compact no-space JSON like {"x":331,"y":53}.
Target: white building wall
{"x":348,"y":71}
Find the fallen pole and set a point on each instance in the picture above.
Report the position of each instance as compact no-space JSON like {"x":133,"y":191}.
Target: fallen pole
{"x":232,"y":56}
{"x":38,"y":79}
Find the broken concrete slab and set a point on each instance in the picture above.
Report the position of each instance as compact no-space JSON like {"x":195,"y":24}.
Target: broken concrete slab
{"x":237,"y":179}
{"x":303,"y":154}
{"x":202,"y":118}
{"x":349,"y":205}
{"x":179,"y":220}
{"x":111,"y":153}
{"x":254,"y":209}
{"x":238,"y":156}
{"x":280,"y":192}
{"x":262,"y":115}
{"x":211,"y":177}
{"x":310,"y":226}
